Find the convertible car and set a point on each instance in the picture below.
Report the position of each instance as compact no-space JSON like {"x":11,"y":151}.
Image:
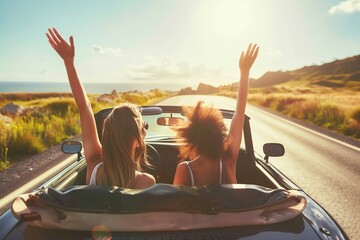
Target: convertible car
{"x":264,"y":204}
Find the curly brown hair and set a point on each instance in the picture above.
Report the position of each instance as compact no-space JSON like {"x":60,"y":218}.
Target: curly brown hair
{"x":204,"y":133}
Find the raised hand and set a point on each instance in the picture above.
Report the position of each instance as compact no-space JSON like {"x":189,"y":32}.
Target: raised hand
{"x":92,"y":146}
{"x":247,"y":59}
{"x":66,"y":51}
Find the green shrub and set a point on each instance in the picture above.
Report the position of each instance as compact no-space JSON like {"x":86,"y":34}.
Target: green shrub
{"x":156,"y":93}
{"x":318,"y":112}
{"x":4,"y":165}
{"x":309,"y":110}
{"x":136,"y":98}
{"x":4,"y":140}
{"x":61,"y":107}
{"x":268,"y":102}
{"x":296,"y":110}
{"x":30,"y":135}
{"x":351,"y":129}
{"x":49,"y":121}
{"x":330,"y":117}
{"x":284,"y":104}
{"x":25,"y":143}
{"x":72,"y":125}
{"x":96,"y":106}
{"x":356,"y":114}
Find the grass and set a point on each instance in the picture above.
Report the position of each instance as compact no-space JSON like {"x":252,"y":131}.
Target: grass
{"x":51,"y":118}
{"x":338,"y":110}
{"x":4,"y":139}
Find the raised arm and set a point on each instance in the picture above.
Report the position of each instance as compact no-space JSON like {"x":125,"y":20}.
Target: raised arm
{"x":92,"y":146}
{"x":236,"y":128}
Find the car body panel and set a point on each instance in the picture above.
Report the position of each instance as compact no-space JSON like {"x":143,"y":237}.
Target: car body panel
{"x":297,"y":228}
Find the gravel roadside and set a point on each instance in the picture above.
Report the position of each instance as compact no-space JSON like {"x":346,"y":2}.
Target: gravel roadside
{"x":23,"y":171}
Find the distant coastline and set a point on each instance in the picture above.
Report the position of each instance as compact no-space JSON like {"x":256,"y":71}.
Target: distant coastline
{"x":92,"y":88}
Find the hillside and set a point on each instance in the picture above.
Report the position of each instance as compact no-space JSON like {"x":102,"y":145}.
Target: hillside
{"x":343,"y":73}
{"x":327,"y":95}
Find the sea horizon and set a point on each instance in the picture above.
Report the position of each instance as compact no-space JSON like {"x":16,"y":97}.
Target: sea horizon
{"x":91,"y":87}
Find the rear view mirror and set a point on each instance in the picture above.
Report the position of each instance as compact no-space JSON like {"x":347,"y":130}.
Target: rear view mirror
{"x":273,"y":150}
{"x":169,"y":121}
{"x":72,"y":147}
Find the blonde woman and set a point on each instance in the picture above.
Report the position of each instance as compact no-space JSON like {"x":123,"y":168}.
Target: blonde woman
{"x":116,"y":160}
{"x":211,"y":151}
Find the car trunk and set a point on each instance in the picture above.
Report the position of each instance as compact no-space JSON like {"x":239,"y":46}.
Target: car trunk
{"x":296,"y":228}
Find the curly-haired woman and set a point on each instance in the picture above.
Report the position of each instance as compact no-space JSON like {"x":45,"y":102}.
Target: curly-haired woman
{"x":212,"y":153}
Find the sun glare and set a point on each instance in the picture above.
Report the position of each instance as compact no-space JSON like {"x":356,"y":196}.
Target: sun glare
{"x":231,"y":17}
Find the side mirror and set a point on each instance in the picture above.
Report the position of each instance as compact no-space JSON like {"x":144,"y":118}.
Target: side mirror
{"x":273,"y":150}
{"x":169,"y":121}
{"x":72,"y":147}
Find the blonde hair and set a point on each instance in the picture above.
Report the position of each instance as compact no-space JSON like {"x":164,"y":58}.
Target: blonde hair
{"x":204,"y":133}
{"x":121,"y":127}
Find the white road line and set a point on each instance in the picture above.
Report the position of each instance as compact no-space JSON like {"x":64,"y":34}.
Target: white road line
{"x":36,"y":181}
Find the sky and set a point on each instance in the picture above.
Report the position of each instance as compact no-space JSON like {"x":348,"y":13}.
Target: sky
{"x":173,"y":41}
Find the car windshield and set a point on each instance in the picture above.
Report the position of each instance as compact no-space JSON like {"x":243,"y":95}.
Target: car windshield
{"x":156,"y":130}
{"x":165,"y":132}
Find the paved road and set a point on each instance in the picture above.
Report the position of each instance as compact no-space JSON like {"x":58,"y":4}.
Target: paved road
{"x":327,"y":169}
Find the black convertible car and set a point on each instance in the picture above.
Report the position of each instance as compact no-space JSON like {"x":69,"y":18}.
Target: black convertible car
{"x":264,"y":204}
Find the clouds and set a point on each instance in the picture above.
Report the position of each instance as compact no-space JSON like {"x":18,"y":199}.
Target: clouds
{"x":150,"y":68}
{"x":167,"y":69}
{"x":274,"y":53}
{"x":348,"y":6}
{"x":116,"y":52}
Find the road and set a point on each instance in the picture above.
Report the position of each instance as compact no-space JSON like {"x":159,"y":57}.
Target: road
{"x":325,"y":168}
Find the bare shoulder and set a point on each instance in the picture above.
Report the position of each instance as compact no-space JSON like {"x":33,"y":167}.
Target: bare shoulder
{"x":181,"y":174}
{"x":143,"y":180}
{"x":181,"y":165}
{"x":181,"y":169}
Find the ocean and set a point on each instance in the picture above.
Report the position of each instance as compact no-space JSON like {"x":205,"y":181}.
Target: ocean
{"x":95,"y":88}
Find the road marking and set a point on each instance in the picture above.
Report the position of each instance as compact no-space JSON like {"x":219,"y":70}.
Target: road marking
{"x":30,"y":186}
{"x":309,"y":130}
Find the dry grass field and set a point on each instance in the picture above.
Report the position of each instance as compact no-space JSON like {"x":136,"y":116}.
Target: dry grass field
{"x":334,"y":109}
{"x":49,"y":118}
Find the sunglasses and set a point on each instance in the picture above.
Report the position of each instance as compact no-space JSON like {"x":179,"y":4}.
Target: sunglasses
{"x":146,"y":125}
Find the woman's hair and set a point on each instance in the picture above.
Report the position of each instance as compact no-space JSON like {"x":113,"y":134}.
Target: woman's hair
{"x":121,"y":127}
{"x":204,"y":133}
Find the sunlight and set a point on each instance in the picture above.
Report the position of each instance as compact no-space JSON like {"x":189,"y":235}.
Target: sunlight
{"x":231,"y":17}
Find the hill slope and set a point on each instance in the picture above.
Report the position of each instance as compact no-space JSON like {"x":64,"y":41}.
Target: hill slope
{"x":343,"y":73}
